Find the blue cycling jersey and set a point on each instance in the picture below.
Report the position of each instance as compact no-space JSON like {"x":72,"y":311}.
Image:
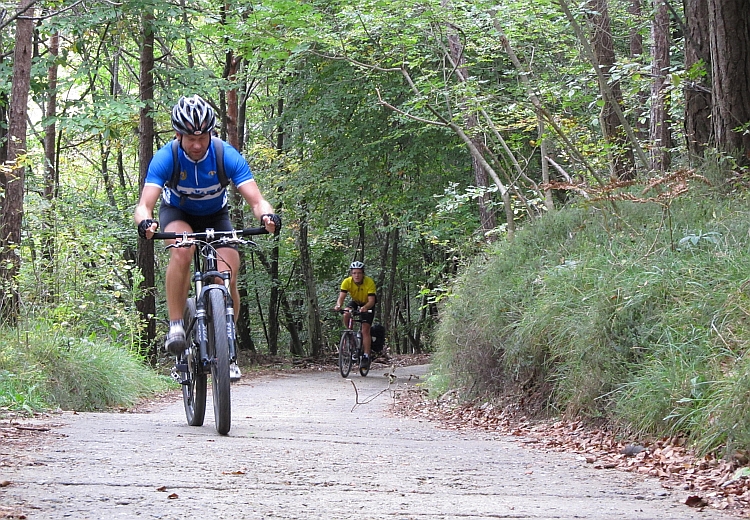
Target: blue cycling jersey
{"x":198,"y":191}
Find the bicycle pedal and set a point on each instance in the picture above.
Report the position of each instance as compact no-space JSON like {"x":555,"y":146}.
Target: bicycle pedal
{"x":176,"y":375}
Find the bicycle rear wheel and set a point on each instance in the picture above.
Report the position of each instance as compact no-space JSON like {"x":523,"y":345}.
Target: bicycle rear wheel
{"x":194,"y":380}
{"x":346,"y":351}
{"x":218,"y":347}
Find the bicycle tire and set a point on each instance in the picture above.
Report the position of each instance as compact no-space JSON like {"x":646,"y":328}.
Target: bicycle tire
{"x":346,"y":350}
{"x":218,"y":347}
{"x":194,"y":390}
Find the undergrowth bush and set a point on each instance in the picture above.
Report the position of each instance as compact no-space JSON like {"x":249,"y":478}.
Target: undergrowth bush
{"x":44,"y":369}
{"x":639,"y":318}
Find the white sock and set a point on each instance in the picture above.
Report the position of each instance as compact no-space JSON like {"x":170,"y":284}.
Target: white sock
{"x":176,"y":326}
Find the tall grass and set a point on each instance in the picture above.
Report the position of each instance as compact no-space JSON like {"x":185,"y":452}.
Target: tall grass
{"x":44,"y":369}
{"x":614,"y":318}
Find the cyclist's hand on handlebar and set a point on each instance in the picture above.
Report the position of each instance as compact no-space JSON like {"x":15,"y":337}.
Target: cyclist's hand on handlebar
{"x":147,"y":227}
{"x":272,"y":222}
{"x":337,"y":308}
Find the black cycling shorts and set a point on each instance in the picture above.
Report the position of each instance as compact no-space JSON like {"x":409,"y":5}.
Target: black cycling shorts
{"x":218,"y":221}
{"x":366,"y":317}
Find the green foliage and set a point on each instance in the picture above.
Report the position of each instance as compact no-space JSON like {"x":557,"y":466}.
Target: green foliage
{"x":589,"y":314}
{"x":75,"y":276}
{"x":44,"y":368}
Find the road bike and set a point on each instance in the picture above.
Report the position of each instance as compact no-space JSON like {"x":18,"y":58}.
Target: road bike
{"x":209,"y":325}
{"x":351,"y":349}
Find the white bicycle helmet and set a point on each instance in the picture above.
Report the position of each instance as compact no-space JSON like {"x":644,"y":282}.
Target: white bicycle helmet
{"x":193,"y":116}
{"x":357,"y":265}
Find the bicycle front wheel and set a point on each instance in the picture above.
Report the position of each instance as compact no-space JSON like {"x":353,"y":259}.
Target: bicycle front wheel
{"x":346,"y":351}
{"x":218,"y":347}
{"x":194,"y":380}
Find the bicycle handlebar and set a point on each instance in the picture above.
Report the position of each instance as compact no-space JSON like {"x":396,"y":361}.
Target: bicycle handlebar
{"x":211,"y":235}
{"x":354,"y":313}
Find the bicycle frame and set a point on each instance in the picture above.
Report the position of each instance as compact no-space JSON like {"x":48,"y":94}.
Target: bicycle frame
{"x":205,"y":274}
{"x":355,"y":331}
{"x":209,"y":325}
{"x":204,"y":279}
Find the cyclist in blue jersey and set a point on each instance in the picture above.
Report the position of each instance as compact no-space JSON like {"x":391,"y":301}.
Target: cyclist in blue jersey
{"x":197,"y":202}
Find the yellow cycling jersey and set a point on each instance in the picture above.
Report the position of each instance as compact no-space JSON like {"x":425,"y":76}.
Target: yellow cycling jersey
{"x":359,"y":293}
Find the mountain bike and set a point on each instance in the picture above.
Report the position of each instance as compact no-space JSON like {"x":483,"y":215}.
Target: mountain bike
{"x":209,"y":326}
{"x":351,"y":348}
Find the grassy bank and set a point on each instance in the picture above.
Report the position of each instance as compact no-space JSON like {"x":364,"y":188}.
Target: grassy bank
{"x":42,"y":369}
{"x":640,"y":319}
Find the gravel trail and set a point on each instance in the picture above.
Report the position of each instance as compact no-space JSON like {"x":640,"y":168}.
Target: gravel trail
{"x":300,"y":447}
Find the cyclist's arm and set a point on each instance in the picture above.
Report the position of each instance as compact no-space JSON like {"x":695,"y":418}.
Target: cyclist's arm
{"x":369,"y":305}
{"x":340,"y":301}
{"x":260,"y":206}
{"x":145,"y":208}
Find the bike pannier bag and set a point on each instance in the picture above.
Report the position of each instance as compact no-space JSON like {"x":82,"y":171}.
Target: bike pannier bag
{"x":378,"y":337}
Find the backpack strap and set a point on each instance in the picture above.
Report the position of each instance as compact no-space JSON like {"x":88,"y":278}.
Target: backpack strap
{"x":219,"y":151}
{"x":220,"y":172}
{"x":172,"y":183}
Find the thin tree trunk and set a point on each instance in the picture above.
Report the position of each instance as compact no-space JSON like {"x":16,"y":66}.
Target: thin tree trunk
{"x":314,"y":329}
{"x":698,"y":88}
{"x":50,"y":154}
{"x":146,"y":305}
{"x":388,"y":317}
{"x":549,"y":203}
{"x":641,"y":125}
{"x":621,"y":156}
{"x":661,"y":137}
{"x":282,"y":304}
{"x":273,"y":267}
{"x":604,"y":87}
{"x":481,"y":178}
{"x":12,"y":205}
{"x":384,"y":238}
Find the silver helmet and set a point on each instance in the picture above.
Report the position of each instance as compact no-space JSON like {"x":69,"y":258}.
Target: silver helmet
{"x":193,"y":116}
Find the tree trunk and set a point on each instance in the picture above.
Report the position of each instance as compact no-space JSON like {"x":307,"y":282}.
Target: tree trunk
{"x":388,"y":318}
{"x":282,"y":303}
{"x":4,"y":103}
{"x":273,"y":267}
{"x":661,"y":132}
{"x":273,"y":301}
{"x":698,"y":86}
{"x":481,"y":178}
{"x":730,"y":66}
{"x":549,"y":202}
{"x":50,"y":154}
{"x":50,"y":166}
{"x":641,"y":125}
{"x":384,"y":238}
{"x":146,"y":305}
{"x":12,"y":205}
{"x":621,"y":155}
{"x":314,"y":329}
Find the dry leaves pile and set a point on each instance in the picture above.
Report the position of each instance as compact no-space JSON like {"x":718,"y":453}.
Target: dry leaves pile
{"x":719,"y":484}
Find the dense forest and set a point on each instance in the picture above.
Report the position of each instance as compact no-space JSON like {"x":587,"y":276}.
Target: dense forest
{"x":420,"y":137}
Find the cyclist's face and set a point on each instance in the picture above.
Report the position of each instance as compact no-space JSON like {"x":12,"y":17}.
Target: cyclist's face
{"x":357,"y":275}
{"x":195,"y":146}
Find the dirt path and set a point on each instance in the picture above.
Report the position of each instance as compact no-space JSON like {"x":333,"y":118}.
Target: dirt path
{"x":300,"y":448}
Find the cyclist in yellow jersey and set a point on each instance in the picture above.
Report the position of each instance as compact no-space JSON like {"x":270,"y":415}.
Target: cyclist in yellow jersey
{"x":362,"y":291}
